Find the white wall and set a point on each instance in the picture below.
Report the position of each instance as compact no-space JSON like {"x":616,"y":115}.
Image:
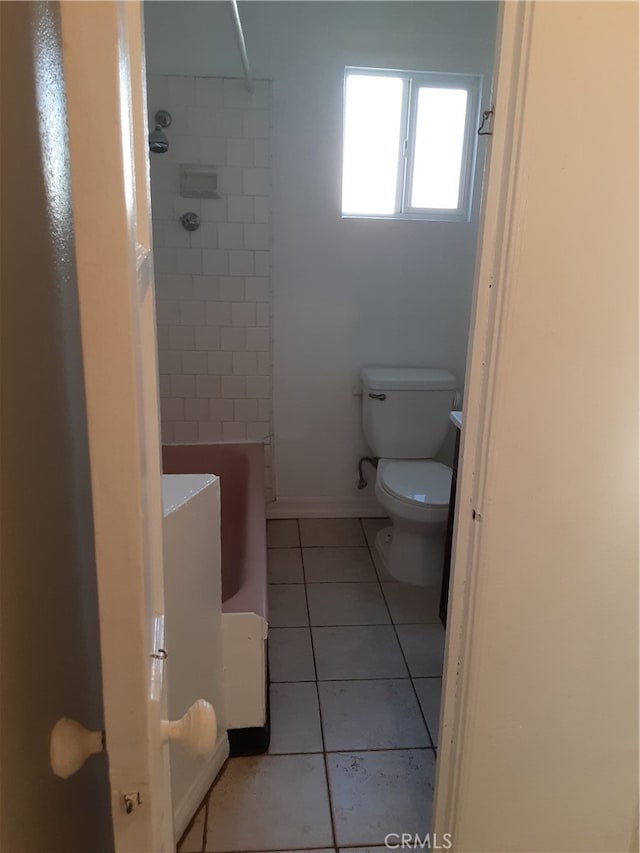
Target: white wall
{"x":346,"y":293}
{"x":547,"y":738}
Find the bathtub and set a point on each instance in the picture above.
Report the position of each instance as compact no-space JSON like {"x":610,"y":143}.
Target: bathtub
{"x":244,"y":580}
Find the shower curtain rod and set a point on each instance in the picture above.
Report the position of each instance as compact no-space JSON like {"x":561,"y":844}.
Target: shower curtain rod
{"x":242,"y":46}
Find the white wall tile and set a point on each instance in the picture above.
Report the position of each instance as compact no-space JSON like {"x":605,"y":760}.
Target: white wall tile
{"x":167,"y":432}
{"x":181,"y":337}
{"x":233,"y":387}
{"x":157,"y":92}
{"x":184,"y":148}
{"x":219,"y":363}
{"x":196,"y":410}
{"x":255,"y":181}
{"x":183,"y":385}
{"x":207,"y":338}
{"x":240,"y":208}
{"x":245,"y":363}
{"x":213,"y":291}
{"x":180,"y":90}
{"x":169,"y":362}
{"x":209,"y":92}
{"x":185,"y":432}
{"x":258,"y":430}
{"x":239,"y":152}
{"x":162,"y":203}
{"x":256,"y":124}
{"x":241,"y":263}
{"x":206,"y":287}
{"x":243,"y":313}
{"x":167,"y":311}
{"x":220,"y":410}
{"x":265,"y":364}
{"x":265,"y":408}
{"x":261,"y":153}
{"x":261,"y":208}
{"x":202,"y":121}
{"x":234,"y":431}
{"x":258,"y":387}
{"x":182,"y":205}
{"x":232,"y":289}
{"x":192,"y":312}
{"x":206,"y":237}
{"x":262,"y":263}
{"x":245,"y":410}
{"x":229,"y":122}
{"x":232,"y":339}
{"x":174,"y":236}
{"x":218,"y":314}
{"x":212,"y":151}
{"x":215,"y":261}
{"x":210,"y":431}
{"x":189,"y":261}
{"x":165,"y":259}
{"x":231,"y":180}
{"x":172,"y":409}
{"x":214,"y":209}
{"x":208,"y":386}
{"x":236,"y":94}
{"x":178,"y":286}
{"x":257,"y":289}
{"x":230,"y":235}
{"x":162,"y":337}
{"x":256,"y":237}
{"x":194,"y":362}
{"x":258,"y":339}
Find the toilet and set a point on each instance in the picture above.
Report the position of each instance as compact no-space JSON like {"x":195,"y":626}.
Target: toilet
{"x":405,"y":416}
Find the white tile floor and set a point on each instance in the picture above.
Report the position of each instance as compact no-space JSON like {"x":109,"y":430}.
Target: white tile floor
{"x":356,"y":665}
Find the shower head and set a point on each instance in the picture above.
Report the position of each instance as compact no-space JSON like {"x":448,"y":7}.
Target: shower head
{"x":158,"y":142}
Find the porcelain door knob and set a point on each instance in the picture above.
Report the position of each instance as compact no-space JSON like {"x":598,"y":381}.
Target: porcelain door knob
{"x":198,"y":729}
{"x":70,"y":746}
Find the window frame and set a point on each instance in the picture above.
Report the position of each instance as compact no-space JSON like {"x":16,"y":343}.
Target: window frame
{"x":412,"y":82}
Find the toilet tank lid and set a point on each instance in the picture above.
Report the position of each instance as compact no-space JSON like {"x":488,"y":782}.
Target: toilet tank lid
{"x":407,"y":379}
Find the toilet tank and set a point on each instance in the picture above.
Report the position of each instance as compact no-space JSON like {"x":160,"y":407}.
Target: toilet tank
{"x":405,"y":410}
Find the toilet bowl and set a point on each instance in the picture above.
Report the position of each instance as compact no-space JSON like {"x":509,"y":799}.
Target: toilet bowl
{"x":415,"y":494}
{"x":405,"y":418}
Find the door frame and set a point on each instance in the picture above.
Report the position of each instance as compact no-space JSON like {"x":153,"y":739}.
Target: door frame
{"x":497,"y":243}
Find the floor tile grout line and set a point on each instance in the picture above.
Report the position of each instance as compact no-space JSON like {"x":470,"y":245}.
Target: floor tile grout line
{"x":358,"y":678}
{"x":324,"y":752}
{"x":345,"y":750}
{"x":357,"y":625}
{"x":406,"y":662}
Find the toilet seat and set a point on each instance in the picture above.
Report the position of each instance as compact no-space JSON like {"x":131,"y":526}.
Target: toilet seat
{"x":421,"y":483}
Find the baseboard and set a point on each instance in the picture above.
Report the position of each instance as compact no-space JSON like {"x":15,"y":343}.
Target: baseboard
{"x":198,"y":789}
{"x":353,"y":507}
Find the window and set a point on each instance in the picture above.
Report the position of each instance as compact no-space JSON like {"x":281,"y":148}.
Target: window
{"x":409,"y":144}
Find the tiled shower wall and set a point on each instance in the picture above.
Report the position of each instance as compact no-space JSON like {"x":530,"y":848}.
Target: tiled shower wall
{"x":213,"y":286}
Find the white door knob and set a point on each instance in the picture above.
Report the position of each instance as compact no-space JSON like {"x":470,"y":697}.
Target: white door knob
{"x":70,"y":746}
{"x":198,"y":729}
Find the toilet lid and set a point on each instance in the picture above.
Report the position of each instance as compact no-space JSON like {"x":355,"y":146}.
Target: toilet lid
{"x":419,"y":480}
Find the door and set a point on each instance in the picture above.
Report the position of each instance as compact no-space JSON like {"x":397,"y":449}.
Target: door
{"x":104,"y":77}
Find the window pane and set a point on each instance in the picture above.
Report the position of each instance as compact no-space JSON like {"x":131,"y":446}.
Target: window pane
{"x":437,"y":160}
{"x":373,"y":113}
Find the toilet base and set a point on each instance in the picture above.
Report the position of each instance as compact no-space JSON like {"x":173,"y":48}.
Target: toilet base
{"x":412,"y":557}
